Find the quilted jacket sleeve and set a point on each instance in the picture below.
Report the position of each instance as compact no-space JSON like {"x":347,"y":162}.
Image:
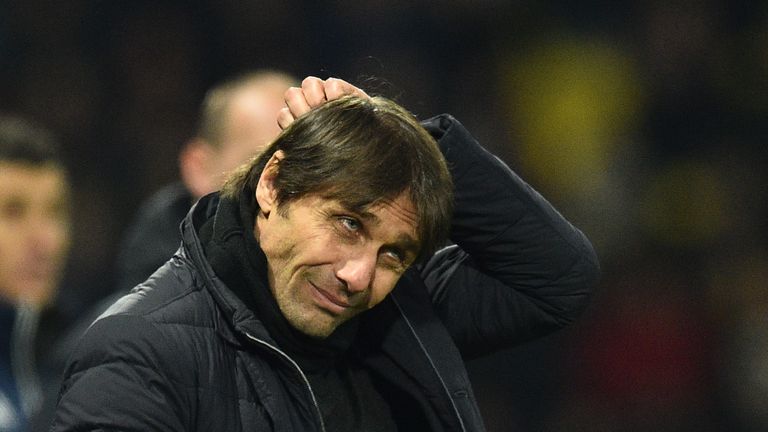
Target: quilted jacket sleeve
{"x":517,"y":269}
{"x":119,"y":379}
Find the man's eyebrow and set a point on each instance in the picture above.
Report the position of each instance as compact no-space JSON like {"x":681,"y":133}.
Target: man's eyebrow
{"x":404,"y":241}
{"x":368,"y":217}
{"x":408,"y":244}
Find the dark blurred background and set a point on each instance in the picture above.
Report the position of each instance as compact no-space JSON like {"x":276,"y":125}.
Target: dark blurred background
{"x":643,"y":122}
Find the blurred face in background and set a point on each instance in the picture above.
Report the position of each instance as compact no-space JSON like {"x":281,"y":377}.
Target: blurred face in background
{"x":34,"y":231}
{"x":251,"y":124}
{"x":248,"y":124}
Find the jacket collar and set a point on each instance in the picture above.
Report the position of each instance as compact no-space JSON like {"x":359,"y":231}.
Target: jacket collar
{"x":231,"y":309}
{"x":412,"y":336}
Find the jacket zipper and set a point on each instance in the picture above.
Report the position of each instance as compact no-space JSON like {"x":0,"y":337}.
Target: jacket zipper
{"x":432,"y":363}
{"x":301,"y":373}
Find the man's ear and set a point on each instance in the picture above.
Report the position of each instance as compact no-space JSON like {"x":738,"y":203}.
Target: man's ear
{"x":266,"y":192}
{"x":195,"y":162}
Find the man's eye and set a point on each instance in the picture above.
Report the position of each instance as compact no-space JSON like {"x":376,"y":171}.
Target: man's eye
{"x":350,"y":224}
{"x":396,"y":257}
{"x":13,"y":210}
{"x":399,"y":257}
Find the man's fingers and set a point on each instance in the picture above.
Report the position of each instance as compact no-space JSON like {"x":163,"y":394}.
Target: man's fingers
{"x":296,"y":101}
{"x":336,"y":88}
{"x":314,"y":93}
{"x":285,"y":118}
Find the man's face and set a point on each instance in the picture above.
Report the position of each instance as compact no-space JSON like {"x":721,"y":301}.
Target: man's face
{"x":328,"y":264}
{"x":34,"y":231}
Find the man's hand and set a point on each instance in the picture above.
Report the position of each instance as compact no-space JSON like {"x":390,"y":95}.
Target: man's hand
{"x":313,"y":93}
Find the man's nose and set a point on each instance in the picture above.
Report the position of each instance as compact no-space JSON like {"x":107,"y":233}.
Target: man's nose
{"x":357,"y":272}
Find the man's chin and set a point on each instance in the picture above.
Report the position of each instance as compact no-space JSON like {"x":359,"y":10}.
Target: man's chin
{"x":316,"y":328}
{"x":32,"y":292}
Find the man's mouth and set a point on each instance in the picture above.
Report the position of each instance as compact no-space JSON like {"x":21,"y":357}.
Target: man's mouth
{"x":329,"y":301}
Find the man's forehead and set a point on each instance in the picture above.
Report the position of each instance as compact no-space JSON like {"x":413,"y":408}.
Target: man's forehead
{"x":24,"y":175}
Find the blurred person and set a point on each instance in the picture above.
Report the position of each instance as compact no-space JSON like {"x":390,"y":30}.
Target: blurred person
{"x":309,"y":294}
{"x":34,"y":243}
{"x":237,"y":119}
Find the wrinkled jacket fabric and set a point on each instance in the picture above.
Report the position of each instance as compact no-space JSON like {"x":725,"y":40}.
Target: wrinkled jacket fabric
{"x":183,"y":353}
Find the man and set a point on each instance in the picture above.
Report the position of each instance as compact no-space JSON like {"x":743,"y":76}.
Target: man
{"x":237,"y":119}
{"x":34,"y":241}
{"x":307,"y":295}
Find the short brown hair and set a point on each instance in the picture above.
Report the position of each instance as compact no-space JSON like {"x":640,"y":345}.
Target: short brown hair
{"x":25,"y":141}
{"x":360,"y":152}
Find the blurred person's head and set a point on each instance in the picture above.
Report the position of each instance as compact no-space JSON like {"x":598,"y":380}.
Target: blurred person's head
{"x":34,"y":213}
{"x":346,"y":199}
{"x":237,"y":119}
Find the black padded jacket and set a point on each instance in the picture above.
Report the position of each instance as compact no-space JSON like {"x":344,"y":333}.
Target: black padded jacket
{"x":183,"y":353}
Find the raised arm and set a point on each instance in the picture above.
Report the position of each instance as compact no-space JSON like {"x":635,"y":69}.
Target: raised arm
{"x":518,"y":269}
